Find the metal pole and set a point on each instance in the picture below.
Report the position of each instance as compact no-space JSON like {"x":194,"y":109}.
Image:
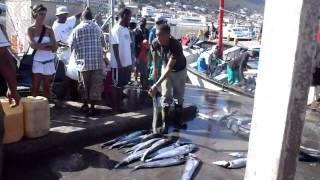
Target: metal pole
{"x":88,"y":3}
{"x":220,"y":28}
{"x":112,"y":13}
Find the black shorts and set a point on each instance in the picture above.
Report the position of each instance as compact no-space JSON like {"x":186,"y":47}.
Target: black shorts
{"x":121,"y":77}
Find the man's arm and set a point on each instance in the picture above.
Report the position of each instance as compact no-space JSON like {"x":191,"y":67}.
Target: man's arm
{"x":155,"y":58}
{"x":7,"y":69}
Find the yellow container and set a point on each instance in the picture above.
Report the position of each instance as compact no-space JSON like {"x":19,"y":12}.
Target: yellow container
{"x":36,"y":115}
{"x":13,"y":122}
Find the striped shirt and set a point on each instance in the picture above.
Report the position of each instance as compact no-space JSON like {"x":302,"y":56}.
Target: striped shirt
{"x":86,"y":41}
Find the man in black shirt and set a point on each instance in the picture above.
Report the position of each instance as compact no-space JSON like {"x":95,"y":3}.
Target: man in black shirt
{"x":173,"y":76}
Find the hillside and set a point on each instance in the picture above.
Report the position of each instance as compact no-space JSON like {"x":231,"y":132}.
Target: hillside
{"x":232,"y":5}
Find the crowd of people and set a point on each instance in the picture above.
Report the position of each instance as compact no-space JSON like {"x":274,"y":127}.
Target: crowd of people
{"x":153,"y":57}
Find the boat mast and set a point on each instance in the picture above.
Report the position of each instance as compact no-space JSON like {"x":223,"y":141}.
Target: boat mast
{"x":220,"y":26}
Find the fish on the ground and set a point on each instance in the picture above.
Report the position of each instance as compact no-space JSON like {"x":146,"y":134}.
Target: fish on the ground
{"x":134,"y":148}
{"x":233,"y":164}
{"x":161,"y":163}
{"x":235,"y":122}
{"x":223,"y":115}
{"x":132,"y":157}
{"x":127,"y":145}
{"x":155,"y":121}
{"x":238,"y":154}
{"x":314,"y":153}
{"x":124,"y":138}
{"x":191,"y":166}
{"x":179,"y":151}
{"x":135,"y":140}
{"x":164,"y":149}
{"x":146,"y":144}
{"x":154,"y":147}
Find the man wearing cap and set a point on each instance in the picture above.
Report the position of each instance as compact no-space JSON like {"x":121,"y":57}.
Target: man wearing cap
{"x":7,"y":70}
{"x":155,"y":69}
{"x":62,"y":28}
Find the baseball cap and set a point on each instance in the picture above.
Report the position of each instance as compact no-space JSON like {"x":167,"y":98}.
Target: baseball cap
{"x":62,"y":10}
{"x":159,"y":18}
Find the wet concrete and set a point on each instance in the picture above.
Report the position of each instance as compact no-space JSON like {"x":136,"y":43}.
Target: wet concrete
{"x":215,"y":141}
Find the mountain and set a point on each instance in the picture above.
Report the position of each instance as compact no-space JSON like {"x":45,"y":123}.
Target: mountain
{"x":232,"y":5}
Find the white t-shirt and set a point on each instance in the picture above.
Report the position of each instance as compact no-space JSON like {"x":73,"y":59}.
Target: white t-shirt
{"x":63,"y":31}
{"x":120,"y":35}
{"x":3,"y":40}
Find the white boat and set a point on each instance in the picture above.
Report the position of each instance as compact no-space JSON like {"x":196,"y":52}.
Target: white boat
{"x":219,"y":82}
{"x":239,"y":32}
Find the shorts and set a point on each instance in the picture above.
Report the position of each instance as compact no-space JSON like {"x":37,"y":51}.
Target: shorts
{"x":121,"y":77}
{"x":43,"y":68}
{"x":91,"y":85}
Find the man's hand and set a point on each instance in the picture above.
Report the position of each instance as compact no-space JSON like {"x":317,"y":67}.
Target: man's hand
{"x":13,"y":96}
{"x":153,"y":91}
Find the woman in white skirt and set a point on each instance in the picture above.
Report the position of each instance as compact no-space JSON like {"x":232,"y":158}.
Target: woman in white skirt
{"x":43,"y":61}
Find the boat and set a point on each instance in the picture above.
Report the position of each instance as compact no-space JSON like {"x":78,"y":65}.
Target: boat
{"x":219,"y":82}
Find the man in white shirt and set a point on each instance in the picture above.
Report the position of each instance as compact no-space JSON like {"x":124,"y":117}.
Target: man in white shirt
{"x":120,"y":56}
{"x":62,"y":28}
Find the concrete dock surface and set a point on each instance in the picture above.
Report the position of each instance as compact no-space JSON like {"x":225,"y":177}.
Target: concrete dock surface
{"x":84,"y":159}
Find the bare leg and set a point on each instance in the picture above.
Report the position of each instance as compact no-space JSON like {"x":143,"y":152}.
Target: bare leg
{"x":46,"y":85}
{"x":36,"y":81}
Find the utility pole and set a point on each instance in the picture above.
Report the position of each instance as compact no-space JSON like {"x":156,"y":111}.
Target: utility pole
{"x":281,"y":100}
{"x":220,"y":28}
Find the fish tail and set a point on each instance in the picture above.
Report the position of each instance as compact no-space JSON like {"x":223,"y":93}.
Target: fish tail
{"x":136,"y":168}
{"x":118,"y":165}
{"x":143,"y":158}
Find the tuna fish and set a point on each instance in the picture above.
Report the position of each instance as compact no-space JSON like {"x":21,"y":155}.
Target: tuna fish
{"x":155,"y":121}
{"x":154,"y":147}
{"x":132,"y":157}
{"x":179,"y":151}
{"x":162,"y":150}
{"x":146,"y":144}
{"x":124,"y":138}
{"x":191,"y":166}
{"x":130,"y":141}
{"x":223,"y":116}
{"x":233,"y":164}
{"x":161,"y":163}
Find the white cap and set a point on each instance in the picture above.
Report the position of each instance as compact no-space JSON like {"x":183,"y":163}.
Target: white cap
{"x":133,"y":20}
{"x":62,"y":10}
{"x":160,"y":18}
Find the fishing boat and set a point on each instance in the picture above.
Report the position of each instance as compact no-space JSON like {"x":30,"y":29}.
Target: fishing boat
{"x":218,"y":82}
